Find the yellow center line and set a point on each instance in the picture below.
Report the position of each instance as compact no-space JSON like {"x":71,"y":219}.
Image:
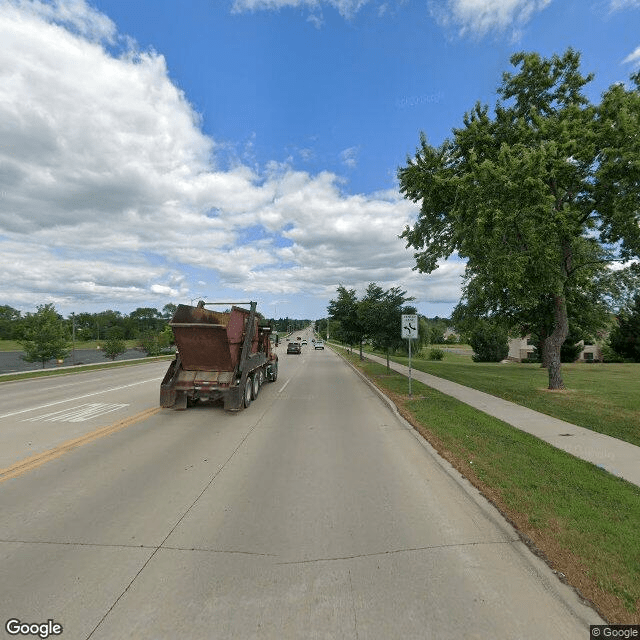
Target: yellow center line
{"x":38,"y":459}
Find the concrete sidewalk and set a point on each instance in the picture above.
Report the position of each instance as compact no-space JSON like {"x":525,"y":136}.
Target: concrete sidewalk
{"x":616,"y":456}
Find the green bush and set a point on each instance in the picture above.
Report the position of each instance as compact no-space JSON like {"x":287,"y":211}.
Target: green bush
{"x":436,"y":354}
{"x":609,"y":355}
{"x":570,"y":349}
{"x":489,"y":343}
{"x":113,"y":346}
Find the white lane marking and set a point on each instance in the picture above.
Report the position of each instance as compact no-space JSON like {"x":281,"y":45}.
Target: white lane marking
{"x":81,"y":413}
{"x":86,"y":395}
{"x":70,"y":384}
{"x":281,"y":390}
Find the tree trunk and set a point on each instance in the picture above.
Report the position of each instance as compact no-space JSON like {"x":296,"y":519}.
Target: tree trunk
{"x":388,"y":367}
{"x":553,"y":342}
{"x":545,"y":354}
{"x":361,"y":358}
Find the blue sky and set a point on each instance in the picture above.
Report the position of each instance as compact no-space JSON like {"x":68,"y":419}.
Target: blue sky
{"x":154,"y":152}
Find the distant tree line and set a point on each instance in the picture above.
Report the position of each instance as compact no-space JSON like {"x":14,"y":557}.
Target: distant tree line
{"x":287,"y":325}
{"x":375,"y":319}
{"x":46,"y":335}
{"x":91,"y":326}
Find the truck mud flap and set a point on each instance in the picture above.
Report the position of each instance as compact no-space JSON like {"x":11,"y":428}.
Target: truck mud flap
{"x":167,"y":398}
{"x":233,"y":399}
{"x":181,"y":401}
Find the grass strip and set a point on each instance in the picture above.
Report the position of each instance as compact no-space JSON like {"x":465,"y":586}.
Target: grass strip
{"x":14,"y":345}
{"x":584,"y":521}
{"x":602,"y":397}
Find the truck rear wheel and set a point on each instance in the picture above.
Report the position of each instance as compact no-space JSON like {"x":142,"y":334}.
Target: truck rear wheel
{"x":248,"y":391}
{"x":256,"y":384}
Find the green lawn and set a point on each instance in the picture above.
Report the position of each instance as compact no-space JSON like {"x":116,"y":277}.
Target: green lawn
{"x":585,"y":520}
{"x":13,"y":345}
{"x":9,"y":345}
{"x":601,"y":397}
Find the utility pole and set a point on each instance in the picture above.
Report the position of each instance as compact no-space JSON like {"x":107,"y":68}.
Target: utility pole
{"x":73,"y":338}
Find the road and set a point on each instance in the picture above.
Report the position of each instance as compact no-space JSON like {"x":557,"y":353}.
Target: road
{"x":314,"y":513}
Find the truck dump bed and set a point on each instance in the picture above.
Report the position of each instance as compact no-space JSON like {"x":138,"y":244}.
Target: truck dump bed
{"x":219,"y":356}
{"x":209,"y":340}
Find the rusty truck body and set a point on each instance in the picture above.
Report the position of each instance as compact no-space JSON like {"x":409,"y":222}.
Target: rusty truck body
{"x":220,"y":356}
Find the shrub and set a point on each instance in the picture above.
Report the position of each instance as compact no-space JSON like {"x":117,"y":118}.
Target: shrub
{"x":436,"y":354}
{"x":609,"y":355}
{"x":113,"y":347}
{"x":489,"y":343}
{"x":570,"y":349}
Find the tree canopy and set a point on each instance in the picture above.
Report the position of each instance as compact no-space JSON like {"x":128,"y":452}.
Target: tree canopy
{"x":539,"y":196}
{"x":45,"y":336}
{"x":375,"y":317}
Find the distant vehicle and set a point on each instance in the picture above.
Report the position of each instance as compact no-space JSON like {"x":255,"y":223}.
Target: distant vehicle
{"x":304,"y":342}
{"x":298,"y":338}
{"x":319,"y":345}
{"x":294,"y":347}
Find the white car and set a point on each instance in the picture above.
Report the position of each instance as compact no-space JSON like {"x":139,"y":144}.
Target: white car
{"x":319,"y":344}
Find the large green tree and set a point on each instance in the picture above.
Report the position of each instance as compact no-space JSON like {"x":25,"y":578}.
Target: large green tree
{"x":538,"y":196}
{"x":45,"y":336}
{"x":379,"y":314}
{"x":344,"y":309}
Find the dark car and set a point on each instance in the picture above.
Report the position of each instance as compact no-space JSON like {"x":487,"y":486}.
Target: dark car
{"x":294,"y":347}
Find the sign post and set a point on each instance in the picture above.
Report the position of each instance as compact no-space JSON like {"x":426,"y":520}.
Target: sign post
{"x":409,"y":327}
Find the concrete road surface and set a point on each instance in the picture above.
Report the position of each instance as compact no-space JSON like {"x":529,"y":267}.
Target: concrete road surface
{"x":314,"y":513}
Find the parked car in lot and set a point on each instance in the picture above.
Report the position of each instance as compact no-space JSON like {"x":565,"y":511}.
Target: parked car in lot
{"x":319,"y":345}
{"x":294,"y":347}
{"x":304,"y":342}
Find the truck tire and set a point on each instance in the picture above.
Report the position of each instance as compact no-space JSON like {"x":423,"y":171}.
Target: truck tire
{"x":256,"y":384}
{"x":248,"y":391}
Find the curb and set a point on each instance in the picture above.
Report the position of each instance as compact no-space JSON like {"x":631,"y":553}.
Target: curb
{"x":485,"y":504}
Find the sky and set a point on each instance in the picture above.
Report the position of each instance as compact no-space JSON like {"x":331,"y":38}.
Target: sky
{"x":234,"y":150}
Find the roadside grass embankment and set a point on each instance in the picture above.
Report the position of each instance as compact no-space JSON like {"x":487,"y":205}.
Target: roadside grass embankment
{"x":601,"y":397}
{"x":14,"y":345}
{"x":584,"y":521}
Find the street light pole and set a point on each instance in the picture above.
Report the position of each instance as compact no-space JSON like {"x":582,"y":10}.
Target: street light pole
{"x":73,"y":338}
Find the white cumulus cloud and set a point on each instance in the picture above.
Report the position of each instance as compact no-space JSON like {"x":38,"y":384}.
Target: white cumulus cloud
{"x":617,"y":5}
{"x":479,"y":17}
{"x":110,"y":192}
{"x":347,"y":8}
{"x":633,"y":58}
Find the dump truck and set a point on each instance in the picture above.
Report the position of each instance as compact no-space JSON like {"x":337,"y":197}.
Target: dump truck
{"x":220,"y":356}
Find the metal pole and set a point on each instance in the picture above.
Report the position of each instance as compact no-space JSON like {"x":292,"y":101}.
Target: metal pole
{"x":410,"y":367}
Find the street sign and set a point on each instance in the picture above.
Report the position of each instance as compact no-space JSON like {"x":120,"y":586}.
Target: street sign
{"x":410,"y":326}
